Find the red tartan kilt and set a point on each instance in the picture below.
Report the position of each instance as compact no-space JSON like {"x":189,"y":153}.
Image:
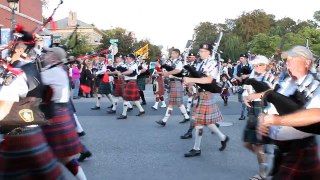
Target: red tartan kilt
{"x":28,"y":156}
{"x":131,"y":91}
{"x":62,"y":135}
{"x":118,"y":87}
{"x":206,"y":111}
{"x":299,"y":165}
{"x":160,"y":91}
{"x":175,"y":96}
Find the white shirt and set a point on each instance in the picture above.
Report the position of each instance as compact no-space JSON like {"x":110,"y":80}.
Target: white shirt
{"x":134,"y":67}
{"x":58,"y":80}
{"x":290,"y":133}
{"x":209,"y":68}
{"x":12,"y":92}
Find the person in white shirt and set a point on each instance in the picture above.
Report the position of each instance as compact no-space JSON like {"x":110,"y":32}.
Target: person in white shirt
{"x":131,"y":90}
{"x":176,"y":91}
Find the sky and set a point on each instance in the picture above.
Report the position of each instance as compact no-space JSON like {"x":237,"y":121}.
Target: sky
{"x":171,"y":22}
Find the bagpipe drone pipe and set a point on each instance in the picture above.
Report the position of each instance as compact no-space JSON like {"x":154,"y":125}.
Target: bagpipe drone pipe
{"x":284,"y":104}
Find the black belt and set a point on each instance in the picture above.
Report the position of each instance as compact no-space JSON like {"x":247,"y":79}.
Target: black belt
{"x":131,"y":80}
{"x":14,"y":130}
{"x":293,"y":145}
{"x":60,"y":105}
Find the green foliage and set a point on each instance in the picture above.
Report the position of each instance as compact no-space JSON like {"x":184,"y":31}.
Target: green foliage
{"x":205,"y":32}
{"x":264,"y":44}
{"x":78,"y":46}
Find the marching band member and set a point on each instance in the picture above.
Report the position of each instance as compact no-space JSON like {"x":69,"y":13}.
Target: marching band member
{"x":206,"y":113}
{"x":24,"y":146}
{"x":250,"y":139}
{"x":191,"y":89}
{"x":103,"y":88}
{"x":158,"y":87}
{"x":60,"y":132}
{"x":131,"y":91}
{"x":297,"y":155}
{"x":141,"y":79}
{"x":175,"y":88}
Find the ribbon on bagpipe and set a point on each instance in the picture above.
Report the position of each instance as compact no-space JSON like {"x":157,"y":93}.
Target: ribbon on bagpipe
{"x":284,"y":104}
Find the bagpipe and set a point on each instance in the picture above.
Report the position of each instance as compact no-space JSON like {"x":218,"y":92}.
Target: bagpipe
{"x":288,"y":104}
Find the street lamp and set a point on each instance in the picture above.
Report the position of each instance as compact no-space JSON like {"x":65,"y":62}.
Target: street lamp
{"x":13,"y":5}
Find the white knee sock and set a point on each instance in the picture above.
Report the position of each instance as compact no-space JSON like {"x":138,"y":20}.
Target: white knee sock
{"x":184,"y":111}
{"x":189,"y":104}
{"x":168,"y":113}
{"x":125,"y":108}
{"x":79,"y":127}
{"x":216,"y":130}
{"x":129,"y":104}
{"x":80,"y":175}
{"x":98,"y":100}
{"x":156,"y":105}
{"x":137,"y":103}
{"x":198,"y":134}
{"x":110,"y":97}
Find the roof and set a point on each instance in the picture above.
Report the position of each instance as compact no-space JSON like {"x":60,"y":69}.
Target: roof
{"x":63,"y":23}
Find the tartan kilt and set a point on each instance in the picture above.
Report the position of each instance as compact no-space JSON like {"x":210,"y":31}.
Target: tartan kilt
{"x":104,"y":88}
{"x":206,"y":111}
{"x":160,"y":88}
{"x":302,"y":164}
{"x":131,"y":91}
{"x":28,"y":156}
{"x":97,"y":82}
{"x":141,"y":81}
{"x":61,"y":134}
{"x":175,"y":95}
{"x":118,"y":87}
{"x":250,"y":130}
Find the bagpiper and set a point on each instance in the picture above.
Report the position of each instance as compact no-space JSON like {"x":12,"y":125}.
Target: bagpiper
{"x":206,"y":112}
{"x":175,"y":96}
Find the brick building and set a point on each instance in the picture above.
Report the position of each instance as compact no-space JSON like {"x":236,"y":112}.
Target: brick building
{"x":29,"y":14}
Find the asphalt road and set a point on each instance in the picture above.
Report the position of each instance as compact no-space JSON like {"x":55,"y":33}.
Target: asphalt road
{"x":137,"y":148}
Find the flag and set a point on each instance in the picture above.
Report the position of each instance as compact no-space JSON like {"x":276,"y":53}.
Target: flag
{"x":143,"y":51}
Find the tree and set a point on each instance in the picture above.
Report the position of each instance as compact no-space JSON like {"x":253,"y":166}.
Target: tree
{"x":125,"y":43}
{"x":282,"y":26}
{"x":316,"y":16}
{"x":205,"y":32}
{"x":232,"y":46}
{"x":79,"y":46}
{"x":264,"y":44}
{"x":250,"y":24}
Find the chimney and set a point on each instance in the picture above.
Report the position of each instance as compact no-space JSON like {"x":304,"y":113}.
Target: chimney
{"x":72,"y":20}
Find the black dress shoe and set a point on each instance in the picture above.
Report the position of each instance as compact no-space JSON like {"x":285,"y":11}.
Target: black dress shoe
{"x":184,"y":120}
{"x":242,"y":118}
{"x":84,"y":156}
{"x":224,"y":144}
{"x":95,"y":108}
{"x":140,"y":113}
{"x":143,"y":103}
{"x":193,"y":153}
{"x":161,"y":123}
{"x":111,"y":111}
{"x":81,"y":134}
{"x":122,"y":117}
{"x":130,"y":109}
{"x":188,"y":112}
{"x":186,"y":136}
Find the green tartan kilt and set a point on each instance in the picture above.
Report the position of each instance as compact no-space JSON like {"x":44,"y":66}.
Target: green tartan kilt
{"x":104,"y":88}
{"x":141,"y":81}
{"x":250,"y":131}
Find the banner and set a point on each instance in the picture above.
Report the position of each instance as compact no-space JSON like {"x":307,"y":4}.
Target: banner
{"x":143,"y":51}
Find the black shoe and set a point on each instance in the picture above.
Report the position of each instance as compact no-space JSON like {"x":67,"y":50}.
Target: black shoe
{"x":224,"y":144}
{"x":84,"y":156}
{"x":225,"y":104}
{"x":122,"y":117}
{"x":193,"y":153}
{"x":184,"y":120}
{"x":130,"y":109}
{"x":186,"y":136}
{"x":161,"y":123}
{"x":81,"y":134}
{"x":110,"y":106}
{"x":95,"y":108}
{"x":111,"y":111}
{"x":188,"y":112}
{"x":242,"y":118}
{"x":143,"y":103}
{"x":140,"y":113}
